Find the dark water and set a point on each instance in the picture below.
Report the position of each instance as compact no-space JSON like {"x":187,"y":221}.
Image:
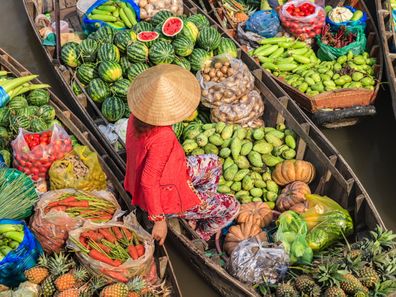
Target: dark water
{"x":370,"y":147}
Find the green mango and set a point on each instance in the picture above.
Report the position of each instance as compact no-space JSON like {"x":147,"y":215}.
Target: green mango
{"x":242,"y":162}
{"x":224,"y":189}
{"x":290,"y":141}
{"x":202,"y":140}
{"x":289,"y":154}
{"x":262,"y":147}
{"x":189,"y":145}
{"x":219,"y":127}
{"x":198,"y":151}
{"x":208,"y":126}
{"x":272,"y":139}
{"x":227,"y":163}
{"x":191,"y":134}
{"x":255,"y":192}
{"x":240,"y":133}
{"x":272,"y":186}
{"x":236,"y":186}
{"x":255,"y":159}
{"x":227,"y":132}
{"x":241,"y":193}
{"x":211,"y":149}
{"x":240,"y":175}
{"x":209,"y":132}
{"x":225,"y":152}
{"x":271,"y":196}
{"x":230,"y":172}
{"x":246,"y":148}
{"x":226,"y":143}
{"x":236,"y":147}
{"x":276,"y":133}
{"x":259,"y":183}
{"x":271,"y":160}
{"x":359,"y":60}
{"x":216,"y":139}
{"x":279,"y":150}
{"x":247,"y":183}
{"x":342,"y":59}
{"x":258,"y":133}
{"x":356,"y":76}
{"x":256,"y":176}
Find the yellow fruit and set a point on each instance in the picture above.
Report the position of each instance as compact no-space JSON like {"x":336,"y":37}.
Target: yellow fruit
{"x":36,"y":275}
{"x":65,"y":282}
{"x":192,"y":117}
{"x":115,"y":290}
{"x":69,"y":293}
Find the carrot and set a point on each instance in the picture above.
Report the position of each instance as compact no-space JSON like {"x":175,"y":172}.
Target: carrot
{"x":133,"y":252}
{"x":94,"y":235}
{"x":117,"y":232}
{"x":108,"y":235}
{"x":115,"y":275}
{"x":75,"y":203}
{"x":106,"y":249}
{"x":94,"y":254}
{"x":68,"y":199}
{"x":117,"y":262}
{"x":53,"y":204}
{"x":140,"y":249}
{"x":127,"y":233}
{"x":83,"y":241}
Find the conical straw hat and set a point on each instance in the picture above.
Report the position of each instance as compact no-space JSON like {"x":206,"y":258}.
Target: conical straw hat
{"x":164,"y":95}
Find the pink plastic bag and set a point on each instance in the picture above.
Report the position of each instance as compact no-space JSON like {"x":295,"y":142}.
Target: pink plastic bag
{"x":36,"y":161}
{"x":303,"y":27}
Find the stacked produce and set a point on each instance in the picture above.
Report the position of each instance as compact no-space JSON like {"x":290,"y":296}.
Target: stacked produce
{"x":11,"y":236}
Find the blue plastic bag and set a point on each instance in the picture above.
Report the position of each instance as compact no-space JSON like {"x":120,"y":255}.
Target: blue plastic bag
{"x":90,"y":26}
{"x":17,"y":261}
{"x":4,"y":97}
{"x":264,"y":22}
{"x":349,"y":24}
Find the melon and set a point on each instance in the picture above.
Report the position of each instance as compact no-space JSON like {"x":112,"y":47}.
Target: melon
{"x":172,"y":26}
{"x":148,"y":37}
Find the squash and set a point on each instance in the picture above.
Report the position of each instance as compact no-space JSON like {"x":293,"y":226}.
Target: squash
{"x":260,"y":213}
{"x":289,"y":171}
{"x":292,"y":195}
{"x":238,"y":233}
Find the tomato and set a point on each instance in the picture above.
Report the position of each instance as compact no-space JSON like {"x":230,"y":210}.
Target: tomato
{"x":38,"y":154}
{"x":28,"y":165}
{"x":22,"y":163}
{"x":35,"y":177}
{"x":52,"y":157}
{"x":35,"y":170}
{"x":26,"y":170}
{"x":60,"y":155}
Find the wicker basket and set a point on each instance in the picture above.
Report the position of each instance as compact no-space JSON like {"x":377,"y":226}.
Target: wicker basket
{"x":83,"y":6}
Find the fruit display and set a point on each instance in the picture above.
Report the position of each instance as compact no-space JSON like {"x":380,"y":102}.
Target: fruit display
{"x":148,"y":9}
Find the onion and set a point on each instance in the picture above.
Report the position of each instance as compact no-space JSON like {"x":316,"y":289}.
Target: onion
{"x":143,"y":13}
{"x":142,"y":3}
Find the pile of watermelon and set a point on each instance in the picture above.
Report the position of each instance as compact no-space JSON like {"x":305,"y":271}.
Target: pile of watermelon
{"x":108,"y":60}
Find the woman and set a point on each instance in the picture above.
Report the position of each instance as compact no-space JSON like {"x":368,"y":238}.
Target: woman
{"x":159,"y":177}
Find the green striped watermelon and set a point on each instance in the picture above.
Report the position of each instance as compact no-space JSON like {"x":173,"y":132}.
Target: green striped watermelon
{"x":190,"y":30}
{"x":199,"y":58}
{"x":4,"y":116}
{"x":182,"y":62}
{"x":98,"y":90}
{"x":108,"y":52}
{"x":137,"y":52}
{"x":160,"y":17}
{"x":199,"y":20}
{"x":88,"y":50}
{"x":104,"y":34}
{"x":17,"y":102}
{"x":124,"y":62}
{"x":209,"y":39}
{"x":122,"y":39}
{"x":38,"y":125}
{"x":110,"y":71}
{"x":47,"y":113}
{"x":25,"y":111}
{"x":127,"y":112}
{"x":183,"y":46}
{"x":135,"y":70}
{"x":120,"y":88}
{"x":38,"y":97}
{"x":86,"y":72}
{"x":142,"y":26}
{"x":178,"y":129}
{"x":113,"y":108}
{"x":33,"y":110}
{"x":161,"y":53}
{"x":227,"y":46}
{"x":19,"y":122}
{"x":70,"y":53}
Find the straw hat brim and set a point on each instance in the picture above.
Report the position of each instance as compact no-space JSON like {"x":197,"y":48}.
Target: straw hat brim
{"x":164,"y":95}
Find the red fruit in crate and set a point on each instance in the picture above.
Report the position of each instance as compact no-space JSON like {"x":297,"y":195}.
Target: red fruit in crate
{"x":35,"y":170}
{"x":22,"y":163}
{"x":28,"y":165}
{"x":35,"y":177}
{"x":26,"y":170}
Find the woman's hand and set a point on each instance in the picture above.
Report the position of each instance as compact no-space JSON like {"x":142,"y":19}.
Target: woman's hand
{"x":160,"y":231}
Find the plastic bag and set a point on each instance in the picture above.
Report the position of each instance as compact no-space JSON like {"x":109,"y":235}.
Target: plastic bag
{"x":359,"y":24}
{"x":37,"y":160}
{"x":329,"y":53}
{"x":120,"y":128}
{"x":109,"y":133}
{"x":22,"y":258}
{"x":264,"y":22}
{"x":128,"y":269}
{"x":80,"y":169}
{"x":255,"y":262}
{"x":302,"y":27}
{"x":327,"y":221}
{"x":248,"y":108}
{"x":149,"y":8}
{"x":292,"y":232}
{"x":52,"y":227}
{"x":90,"y":26}
{"x":231,"y":89}
{"x":247,"y":38}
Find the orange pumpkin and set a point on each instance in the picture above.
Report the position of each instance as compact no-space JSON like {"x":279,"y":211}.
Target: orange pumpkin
{"x":260,"y":213}
{"x":289,"y":171}
{"x":238,"y":233}
{"x":292,"y":195}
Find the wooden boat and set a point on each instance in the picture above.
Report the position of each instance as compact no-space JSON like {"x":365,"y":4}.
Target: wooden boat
{"x":336,"y":180}
{"x":74,"y":126}
{"x":386,"y":28}
{"x":343,"y":112}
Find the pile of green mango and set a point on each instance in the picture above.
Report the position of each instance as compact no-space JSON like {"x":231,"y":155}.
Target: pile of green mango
{"x":247,"y":156}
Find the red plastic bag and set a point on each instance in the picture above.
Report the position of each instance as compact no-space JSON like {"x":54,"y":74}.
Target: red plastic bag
{"x":302,"y":18}
{"x":34,"y":153}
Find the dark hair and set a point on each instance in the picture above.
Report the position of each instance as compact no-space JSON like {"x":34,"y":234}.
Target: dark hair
{"x":141,"y":127}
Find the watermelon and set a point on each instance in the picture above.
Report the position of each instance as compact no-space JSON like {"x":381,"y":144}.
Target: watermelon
{"x":88,"y":50}
{"x":86,"y":72}
{"x":17,"y":102}
{"x":124,"y":63}
{"x":142,"y":26}
{"x":38,"y":97}
{"x":33,"y":110}
{"x":122,"y":39}
{"x":209,"y":39}
{"x":54,"y":122}
{"x":227,"y":46}
{"x":70,"y":53}
{"x":199,"y":58}
{"x":148,"y":37}
{"x":172,"y":26}
{"x":178,"y":129}
{"x":204,"y":117}
{"x":108,"y":52}
{"x":199,"y":20}
{"x":47,"y":113}
{"x":38,"y":125}
{"x":113,"y":108}
{"x":110,"y":71}
{"x":127,"y":112}
{"x":4,"y":116}
{"x":25,"y":111}
{"x":161,"y":53}
{"x":4,"y":134}
{"x":182,"y":62}
{"x":19,"y":122}
{"x":76,"y":89}
{"x":104,"y":34}
{"x":135,"y":70}
{"x":98,"y":90}
{"x":137,"y":52}
{"x":190,"y":30}
{"x":160,"y":17}
{"x":120,"y":88}
{"x":183,"y":46}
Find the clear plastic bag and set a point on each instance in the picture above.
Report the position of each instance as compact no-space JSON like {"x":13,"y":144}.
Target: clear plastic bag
{"x":250,"y":39}
{"x":247,"y":109}
{"x":229,"y":90}
{"x":303,"y":27}
{"x":255,"y":262}
{"x":148,"y":8}
{"x":120,"y":127}
{"x":37,"y":160}
{"x":52,"y":227}
{"x":264,"y":22}
{"x":128,"y":269}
